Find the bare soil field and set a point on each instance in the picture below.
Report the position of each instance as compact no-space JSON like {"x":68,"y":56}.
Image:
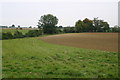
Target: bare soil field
{"x":98,"y":41}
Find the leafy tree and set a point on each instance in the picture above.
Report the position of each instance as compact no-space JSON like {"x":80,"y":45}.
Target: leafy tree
{"x":30,"y":27}
{"x":96,"y":24}
{"x":88,"y":25}
{"x":105,"y":26}
{"x":79,"y":26}
{"x":60,"y":26}
{"x":116,"y":29}
{"x":100,"y":25}
{"x":18,"y":26}
{"x":47,"y":23}
{"x":13,"y":26}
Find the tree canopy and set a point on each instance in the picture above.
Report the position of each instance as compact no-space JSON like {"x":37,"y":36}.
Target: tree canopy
{"x":48,"y":23}
{"x":88,"y":25}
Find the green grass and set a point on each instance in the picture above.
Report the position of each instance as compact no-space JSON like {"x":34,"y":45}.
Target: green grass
{"x":13,"y":30}
{"x":33,"y":58}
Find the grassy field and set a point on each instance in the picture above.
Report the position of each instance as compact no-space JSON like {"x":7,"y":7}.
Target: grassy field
{"x":34,"y":58}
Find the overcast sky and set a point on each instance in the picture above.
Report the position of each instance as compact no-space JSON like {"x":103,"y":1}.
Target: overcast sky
{"x":27,"y":13}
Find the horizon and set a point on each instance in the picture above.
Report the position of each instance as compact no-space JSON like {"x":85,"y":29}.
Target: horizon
{"x":26,"y":13}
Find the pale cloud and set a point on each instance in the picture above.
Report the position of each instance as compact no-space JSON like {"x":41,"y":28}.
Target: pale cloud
{"x":59,"y":0}
{"x":27,"y":13}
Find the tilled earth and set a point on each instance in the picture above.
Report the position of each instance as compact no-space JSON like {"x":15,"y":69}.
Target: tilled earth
{"x":98,"y":41}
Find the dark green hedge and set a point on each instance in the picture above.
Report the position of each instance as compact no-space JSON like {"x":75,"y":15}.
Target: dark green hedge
{"x":17,"y":34}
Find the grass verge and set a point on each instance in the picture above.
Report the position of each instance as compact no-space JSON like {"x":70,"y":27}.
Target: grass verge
{"x":33,"y":58}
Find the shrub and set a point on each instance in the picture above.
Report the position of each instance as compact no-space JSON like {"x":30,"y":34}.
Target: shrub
{"x":69,"y":29}
{"x":33,"y":33}
{"x":18,"y":34}
{"x":20,"y":28}
{"x":0,"y":36}
{"x":7,"y":35}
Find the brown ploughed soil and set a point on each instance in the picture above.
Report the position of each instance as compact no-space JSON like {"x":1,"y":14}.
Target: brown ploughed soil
{"x":98,"y":41}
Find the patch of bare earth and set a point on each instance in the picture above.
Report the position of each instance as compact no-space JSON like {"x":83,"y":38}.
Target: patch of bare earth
{"x":98,"y":41}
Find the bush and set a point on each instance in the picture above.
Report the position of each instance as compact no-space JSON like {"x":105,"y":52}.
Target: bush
{"x":33,"y":33}
{"x":18,"y":34}
{"x":7,"y":35}
{"x":69,"y":29}
{"x":0,"y":36}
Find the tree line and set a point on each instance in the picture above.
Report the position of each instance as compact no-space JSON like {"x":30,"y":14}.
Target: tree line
{"x":47,"y":25}
{"x":18,"y":34}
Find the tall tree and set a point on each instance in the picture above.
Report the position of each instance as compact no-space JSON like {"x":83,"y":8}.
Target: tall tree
{"x":105,"y":26}
{"x":96,"y":24}
{"x":18,"y":26}
{"x":79,"y":26}
{"x":116,"y":28}
{"x":48,"y":23}
{"x":88,"y":25}
{"x":13,"y":26}
{"x":100,"y":25}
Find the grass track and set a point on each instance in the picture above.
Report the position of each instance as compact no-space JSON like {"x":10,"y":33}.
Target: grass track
{"x":33,"y":58}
